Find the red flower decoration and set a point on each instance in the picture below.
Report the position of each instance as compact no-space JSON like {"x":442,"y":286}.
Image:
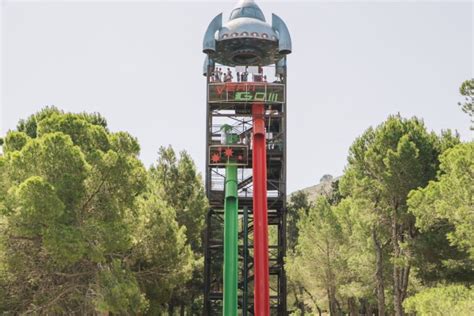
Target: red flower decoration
{"x":228,"y":152}
{"x":240,"y":157}
{"x":215,"y":157}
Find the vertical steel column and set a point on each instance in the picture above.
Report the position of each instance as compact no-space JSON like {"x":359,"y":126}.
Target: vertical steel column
{"x":207,"y":179}
{"x":230,"y":242}
{"x":207,"y":263}
{"x":283,"y":281}
{"x":260,"y":213}
{"x":245,"y":271}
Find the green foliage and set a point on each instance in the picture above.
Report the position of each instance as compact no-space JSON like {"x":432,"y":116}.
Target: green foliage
{"x":118,"y":291}
{"x":15,"y":141}
{"x":446,"y":140}
{"x":79,"y":231}
{"x":362,"y":243}
{"x":467,"y":90}
{"x":175,"y":181}
{"x":87,"y":136}
{"x":86,"y":229}
{"x":357,"y":249}
{"x":317,"y":264}
{"x":298,"y":205}
{"x":397,"y":156}
{"x":385,"y":164}
{"x":38,"y":207}
{"x":55,"y":158}
{"x":30,"y":125}
{"x":450,"y":198}
{"x":452,"y":300}
{"x":161,"y":258}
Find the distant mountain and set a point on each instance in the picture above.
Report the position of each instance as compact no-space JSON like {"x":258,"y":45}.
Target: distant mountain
{"x":324,"y":187}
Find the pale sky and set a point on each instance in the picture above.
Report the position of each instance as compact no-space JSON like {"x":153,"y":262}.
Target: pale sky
{"x":140,"y":65}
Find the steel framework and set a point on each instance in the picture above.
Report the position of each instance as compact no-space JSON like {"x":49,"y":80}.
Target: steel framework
{"x":237,"y":112}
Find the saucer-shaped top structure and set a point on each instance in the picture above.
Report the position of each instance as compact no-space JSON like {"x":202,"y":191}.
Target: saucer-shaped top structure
{"x":247,"y":39}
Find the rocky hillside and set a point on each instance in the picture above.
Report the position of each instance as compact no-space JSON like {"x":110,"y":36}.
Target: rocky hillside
{"x":322,"y":188}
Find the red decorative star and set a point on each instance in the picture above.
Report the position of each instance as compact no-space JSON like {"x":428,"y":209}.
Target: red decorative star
{"x":228,"y":152}
{"x":215,"y":157}
{"x":240,"y":157}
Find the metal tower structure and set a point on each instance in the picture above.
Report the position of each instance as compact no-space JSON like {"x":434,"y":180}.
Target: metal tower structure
{"x":246,"y":137}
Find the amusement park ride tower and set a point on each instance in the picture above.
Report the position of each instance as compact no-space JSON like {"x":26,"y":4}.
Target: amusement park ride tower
{"x":245,"y":240}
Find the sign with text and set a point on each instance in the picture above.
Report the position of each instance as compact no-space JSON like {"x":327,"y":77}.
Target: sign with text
{"x":246,"y":92}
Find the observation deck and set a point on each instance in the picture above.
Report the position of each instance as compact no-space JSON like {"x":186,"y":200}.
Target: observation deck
{"x":246,"y":92}
{"x":240,"y":96}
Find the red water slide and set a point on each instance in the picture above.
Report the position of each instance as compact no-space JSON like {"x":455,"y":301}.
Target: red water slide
{"x":260,"y":218}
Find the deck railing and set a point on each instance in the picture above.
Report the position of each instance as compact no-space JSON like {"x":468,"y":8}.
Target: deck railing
{"x":246,"y":92}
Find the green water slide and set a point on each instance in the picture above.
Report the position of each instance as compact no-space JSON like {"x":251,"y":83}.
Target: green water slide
{"x":230,"y":232}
